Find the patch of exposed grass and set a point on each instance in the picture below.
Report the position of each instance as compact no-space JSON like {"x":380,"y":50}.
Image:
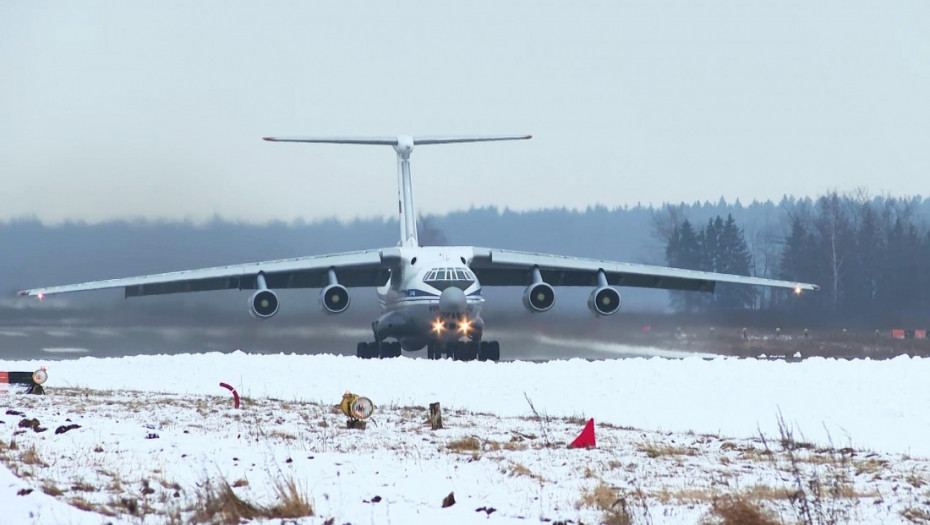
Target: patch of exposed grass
{"x":737,"y":511}
{"x":617,"y":508}
{"x":51,"y":488}
{"x":30,"y":456}
{"x":465,"y":444}
{"x":658,"y":450}
{"x":218,"y":503}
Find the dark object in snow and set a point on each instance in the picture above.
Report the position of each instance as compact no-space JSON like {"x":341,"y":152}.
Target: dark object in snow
{"x":151,"y":435}
{"x":376,"y":499}
{"x":29,"y":423}
{"x":449,"y":500}
{"x":24,"y":492}
{"x":586,"y":439}
{"x":435,"y":416}
{"x":234,"y":393}
{"x":487,"y":510}
{"x":12,"y":412}
{"x":64,"y":428}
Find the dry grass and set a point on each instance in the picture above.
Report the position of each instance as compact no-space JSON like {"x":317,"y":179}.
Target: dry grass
{"x":465,"y":444}
{"x":30,"y":456}
{"x":292,"y":501}
{"x":218,"y":503}
{"x":738,"y":511}
{"x":916,"y":515}
{"x":51,"y":489}
{"x":658,"y":450}
{"x":616,"y":508}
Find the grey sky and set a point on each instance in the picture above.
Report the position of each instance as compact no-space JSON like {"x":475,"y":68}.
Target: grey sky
{"x":156,"y":109}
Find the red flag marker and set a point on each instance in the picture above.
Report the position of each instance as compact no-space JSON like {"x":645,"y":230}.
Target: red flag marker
{"x":586,"y":439}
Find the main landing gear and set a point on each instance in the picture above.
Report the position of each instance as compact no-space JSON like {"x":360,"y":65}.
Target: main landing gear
{"x":375,"y":350}
{"x":460,"y":351}
{"x":465,"y":351}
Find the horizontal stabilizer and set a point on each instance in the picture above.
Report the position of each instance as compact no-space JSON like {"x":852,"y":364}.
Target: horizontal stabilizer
{"x":394,"y":141}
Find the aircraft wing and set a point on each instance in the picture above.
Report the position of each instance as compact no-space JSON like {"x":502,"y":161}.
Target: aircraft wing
{"x":495,"y":267}
{"x":364,"y":268}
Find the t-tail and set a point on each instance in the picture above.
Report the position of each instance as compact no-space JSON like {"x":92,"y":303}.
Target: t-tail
{"x":403,"y":145}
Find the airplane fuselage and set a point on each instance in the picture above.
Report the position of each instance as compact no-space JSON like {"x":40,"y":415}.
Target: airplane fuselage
{"x":433,"y":297}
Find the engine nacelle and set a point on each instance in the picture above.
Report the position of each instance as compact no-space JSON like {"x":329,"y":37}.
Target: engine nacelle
{"x":538,"y":297}
{"x":263,"y":304}
{"x":335,"y":299}
{"x":603,"y":301}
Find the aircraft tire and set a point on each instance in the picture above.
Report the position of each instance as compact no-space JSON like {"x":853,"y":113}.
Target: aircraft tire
{"x":389,"y":350}
{"x":494,"y":351}
{"x":366,"y":350}
{"x":466,"y":351}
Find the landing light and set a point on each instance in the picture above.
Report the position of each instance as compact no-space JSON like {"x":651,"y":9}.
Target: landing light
{"x":797,"y":290}
{"x":464,"y":326}
{"x":438,"y":326}
{"x":40,"y":295}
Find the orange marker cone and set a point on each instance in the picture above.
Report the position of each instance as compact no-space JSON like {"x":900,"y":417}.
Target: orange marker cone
{"x":586,"y":439}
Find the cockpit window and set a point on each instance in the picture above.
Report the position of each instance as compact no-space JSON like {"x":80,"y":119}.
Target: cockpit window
{"x":442,"y":278}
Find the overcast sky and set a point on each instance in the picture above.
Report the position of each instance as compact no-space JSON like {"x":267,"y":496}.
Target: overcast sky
{"x":112,"y":109}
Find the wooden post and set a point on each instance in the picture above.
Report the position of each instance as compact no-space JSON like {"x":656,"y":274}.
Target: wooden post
{"x":435,"y":416}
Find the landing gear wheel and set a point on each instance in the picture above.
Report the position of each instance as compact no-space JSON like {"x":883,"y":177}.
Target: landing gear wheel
{"x":366,"y":350}
{"x":390,"y":350}
{"x":466,"y":351}
{"x":490,"y":351}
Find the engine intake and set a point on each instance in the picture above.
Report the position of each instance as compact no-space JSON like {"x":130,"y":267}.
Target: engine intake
{"x":263,"y":304}
{"x":538,"y":297}
{"x":604,"y":301}
{"x":335,"y":299}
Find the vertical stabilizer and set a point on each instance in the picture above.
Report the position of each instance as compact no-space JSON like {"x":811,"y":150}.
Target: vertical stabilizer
{"x":405,"y":206}
{"x":403,"y":145}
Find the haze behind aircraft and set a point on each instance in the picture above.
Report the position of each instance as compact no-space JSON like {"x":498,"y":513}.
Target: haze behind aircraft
{"x":430,"y":296}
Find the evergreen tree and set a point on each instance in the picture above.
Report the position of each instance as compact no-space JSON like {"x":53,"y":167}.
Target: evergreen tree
{"x":733,"y":257}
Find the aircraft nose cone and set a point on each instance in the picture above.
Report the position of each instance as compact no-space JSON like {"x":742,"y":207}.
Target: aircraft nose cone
{"x":452,"y":301}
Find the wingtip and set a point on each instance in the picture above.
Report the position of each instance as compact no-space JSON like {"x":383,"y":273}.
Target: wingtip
{"x":269,"y":139}
{"x":22,"y":293}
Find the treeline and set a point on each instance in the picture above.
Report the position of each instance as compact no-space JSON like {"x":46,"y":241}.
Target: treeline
{"x":871,"y":257}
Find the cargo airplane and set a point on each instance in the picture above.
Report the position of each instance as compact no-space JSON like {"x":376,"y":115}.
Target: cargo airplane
{"x":430,"y":296}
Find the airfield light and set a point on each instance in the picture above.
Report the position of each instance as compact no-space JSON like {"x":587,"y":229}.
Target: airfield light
{"x":357,"y":408}
{"x":40,"y":376}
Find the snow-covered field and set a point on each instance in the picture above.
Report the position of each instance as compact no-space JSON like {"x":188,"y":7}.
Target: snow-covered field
{"x":158,"y":438}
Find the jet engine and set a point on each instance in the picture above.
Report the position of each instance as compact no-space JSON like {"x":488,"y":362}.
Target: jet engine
{"x":538,"y":297}
{"x":263,"y":304}
{"x":603,"y":301}
{"x":334,"y":299}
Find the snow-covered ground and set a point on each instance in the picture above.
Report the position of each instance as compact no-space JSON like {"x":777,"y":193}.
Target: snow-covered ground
{"x":673,"y":435}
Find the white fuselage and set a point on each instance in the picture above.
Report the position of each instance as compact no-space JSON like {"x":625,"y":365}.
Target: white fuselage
{"x":414,"y":309}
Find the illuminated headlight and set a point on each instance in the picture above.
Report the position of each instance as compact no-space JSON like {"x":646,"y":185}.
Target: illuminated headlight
{"x":464,"y":326}
{"x":438,"y":326}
